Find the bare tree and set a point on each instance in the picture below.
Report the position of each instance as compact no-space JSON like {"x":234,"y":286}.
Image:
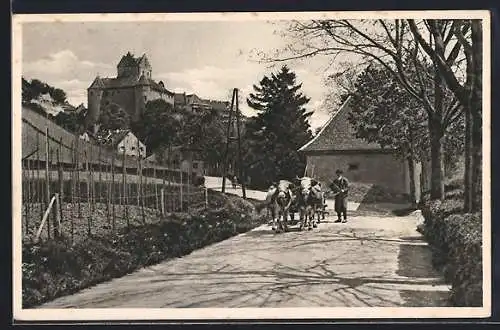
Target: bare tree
{"x":391,"y":43}
{"x":468,"y":91}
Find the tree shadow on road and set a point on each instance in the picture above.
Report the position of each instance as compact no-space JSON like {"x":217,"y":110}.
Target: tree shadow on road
{"x":318,"y":285}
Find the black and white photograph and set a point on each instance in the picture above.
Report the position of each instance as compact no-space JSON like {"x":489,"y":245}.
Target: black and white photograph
{"x":297,"y":165}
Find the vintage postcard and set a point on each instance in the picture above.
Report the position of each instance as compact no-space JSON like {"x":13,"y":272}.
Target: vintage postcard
{"x":258,"y":166}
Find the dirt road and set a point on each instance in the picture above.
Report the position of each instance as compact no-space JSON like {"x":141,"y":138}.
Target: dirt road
{"x":369,"y":261}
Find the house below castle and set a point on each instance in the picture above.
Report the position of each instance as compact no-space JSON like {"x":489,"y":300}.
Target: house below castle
{"x":131,"y":89}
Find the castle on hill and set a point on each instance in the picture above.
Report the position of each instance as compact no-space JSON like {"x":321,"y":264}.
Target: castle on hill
{"x":131,"y":89}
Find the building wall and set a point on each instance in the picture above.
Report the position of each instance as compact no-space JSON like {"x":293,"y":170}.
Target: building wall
{"x":372,"y":168}
{"x":127,"y":71}
{"x":94,"y":97}
{"x":124,"y":97}
{"x":151,"y":94}
{"x":129,"y":144}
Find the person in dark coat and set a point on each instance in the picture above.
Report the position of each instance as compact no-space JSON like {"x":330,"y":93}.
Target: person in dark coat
{"x":340,"y":187}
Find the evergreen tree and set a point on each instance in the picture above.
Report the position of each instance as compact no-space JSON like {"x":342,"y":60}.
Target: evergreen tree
{"x":273,"y":138}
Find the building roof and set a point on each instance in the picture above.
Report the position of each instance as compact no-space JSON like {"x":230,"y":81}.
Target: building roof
{"x":128,"y":81}
{"x":337,"y":134}
{"x":116,"y":137}
{"x":128,"y":60}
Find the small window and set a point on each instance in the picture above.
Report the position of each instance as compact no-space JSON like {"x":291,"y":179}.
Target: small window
{"x":145,"y":98}
{"x":133,"y":148}
{"x":353,"y":167}
{"x":195,"y":165}
{"x":122,"y":148}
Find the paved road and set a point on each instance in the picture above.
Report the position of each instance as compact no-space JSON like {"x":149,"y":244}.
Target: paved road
{"x":370,"y":261}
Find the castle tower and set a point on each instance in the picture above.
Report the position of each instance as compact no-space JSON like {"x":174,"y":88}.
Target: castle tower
{"x":129,"y":66}
{"x":94,"y":97}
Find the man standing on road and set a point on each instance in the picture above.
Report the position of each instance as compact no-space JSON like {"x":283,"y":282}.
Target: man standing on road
{"x":340,"y":188}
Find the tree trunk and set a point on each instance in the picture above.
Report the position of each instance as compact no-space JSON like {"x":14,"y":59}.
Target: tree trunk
{"x":476,"y":164}
{"x":437,"y":159}
{"x":436,"y":131}
{"x":467,"y":161}
{"x":411,"y":171}
{"x":476,"y":116}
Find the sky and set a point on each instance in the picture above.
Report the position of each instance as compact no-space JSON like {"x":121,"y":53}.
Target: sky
{"x":205,"y":58}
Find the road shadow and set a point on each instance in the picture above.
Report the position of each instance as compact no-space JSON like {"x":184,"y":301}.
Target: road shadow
{"x":414,"y":261}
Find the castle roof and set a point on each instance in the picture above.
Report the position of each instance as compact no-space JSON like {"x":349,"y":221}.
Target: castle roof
{"x":337,"y":134}
{"x":130,"y":60}
{"x":128,"y":81}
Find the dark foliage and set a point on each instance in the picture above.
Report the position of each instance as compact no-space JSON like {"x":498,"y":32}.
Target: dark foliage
{"x":456,"y":239}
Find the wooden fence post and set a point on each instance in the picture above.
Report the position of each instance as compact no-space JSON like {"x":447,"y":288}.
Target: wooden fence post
{"x":28,"y":202}
{"x":181,"y":197}
{"x":112,"y":190}
{"x":162,"y":191}
{"x":99,"y":182}
{"x":44,"y":219}
{"x":61,"y":182}
{"x":89,"y":207}
{"x":141,"y":188}
{"x":38,"y":185}
{"x":90,"y":168}
{"x":47,"y":179}
{"x":57,"y":224}
{"x":124,"y":189}
{"x":206,"y":197}
{"x":156,"y":187}
{"x":73,"y":188}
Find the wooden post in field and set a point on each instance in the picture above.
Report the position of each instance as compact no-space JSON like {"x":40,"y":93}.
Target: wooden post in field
{"x":58,"y":212}
{"x":124,"y":180}
{"x":163,"y":188}
{"x":99,"y":183}
{"x":28,"y":202}
{"x":47,"y":178}
{"x":206,"y":197}
{"x":108,"y":195}
{"x":112,"y":192}
{"x":138,"y":183}
{"x":38,"y":186}
{"x":54,"y":212}
{"x":61,"y":182}
{"x":89,"y":218}
{"x":78,"y":183}
{"x":141,"y":188}
{"x":156,"y":187}
{"x":162,"y":191}
{"x":181,"y":197}
{"x":44,"y":219}
{"x":73,"y":188}
{"x":90,"y":168}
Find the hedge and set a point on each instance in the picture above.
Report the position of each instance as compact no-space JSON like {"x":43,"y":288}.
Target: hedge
{"x":456,"y":240}
{"x":55,"y":268}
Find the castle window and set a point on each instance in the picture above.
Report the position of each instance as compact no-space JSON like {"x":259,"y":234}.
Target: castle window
{"x":133,"y":148}
{"x":354,"y":167}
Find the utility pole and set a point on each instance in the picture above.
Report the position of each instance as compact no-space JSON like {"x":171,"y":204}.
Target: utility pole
{"x":229,"y":139}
